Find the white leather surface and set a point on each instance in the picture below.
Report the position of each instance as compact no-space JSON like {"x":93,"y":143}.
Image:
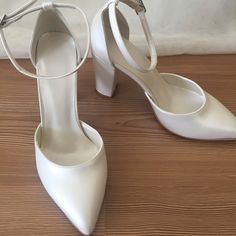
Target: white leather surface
{"x":178,"y":26}
{"x":167,"y":96}
{"x":63,"y":140}
{"x":70,"y":155}
{"x":179,"y":103}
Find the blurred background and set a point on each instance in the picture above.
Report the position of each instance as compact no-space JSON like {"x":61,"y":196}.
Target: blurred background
{"x":178,"y":26}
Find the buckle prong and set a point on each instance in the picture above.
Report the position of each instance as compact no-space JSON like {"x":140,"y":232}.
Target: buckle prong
{"x":3,"y":20}
{"x":142,"y":6}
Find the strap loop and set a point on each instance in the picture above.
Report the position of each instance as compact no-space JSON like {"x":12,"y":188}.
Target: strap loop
{"x":47,"y":6}
{"x":139,"y":7}
{"x":15,"y":16}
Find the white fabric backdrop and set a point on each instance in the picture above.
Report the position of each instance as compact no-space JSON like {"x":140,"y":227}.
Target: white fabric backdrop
{"x":178,"y":26}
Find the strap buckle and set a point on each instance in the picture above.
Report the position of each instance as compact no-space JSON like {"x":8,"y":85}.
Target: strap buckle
{"x":7,"y":19}
{"x":3,"y":20}
{"x":141,"y":7}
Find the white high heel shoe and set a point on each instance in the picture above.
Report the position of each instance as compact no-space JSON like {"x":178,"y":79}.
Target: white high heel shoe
{"x":181,"y":105}
{"x":70,"y":154}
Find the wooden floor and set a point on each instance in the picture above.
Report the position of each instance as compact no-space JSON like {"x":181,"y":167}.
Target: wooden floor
{"x":159,"y":184}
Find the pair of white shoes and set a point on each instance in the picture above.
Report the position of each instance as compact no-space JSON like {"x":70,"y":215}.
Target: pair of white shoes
{"x":70,"y":155}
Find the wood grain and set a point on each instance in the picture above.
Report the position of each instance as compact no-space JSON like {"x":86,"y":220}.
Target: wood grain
{"x":159,"y":184}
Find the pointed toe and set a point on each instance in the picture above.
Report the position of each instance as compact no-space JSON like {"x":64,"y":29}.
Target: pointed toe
{"x":77,"y":190}
{"x":86,"y":228}
{"x":220,"y":122}
{"x":84,"y":212}
{"x":85,"y":223}
{"x":211,"y":120}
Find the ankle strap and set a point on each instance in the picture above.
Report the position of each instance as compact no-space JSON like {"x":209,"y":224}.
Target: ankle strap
{"x":137,"y":5}
{"x":140,"y":9}
{"x":7,"y":20}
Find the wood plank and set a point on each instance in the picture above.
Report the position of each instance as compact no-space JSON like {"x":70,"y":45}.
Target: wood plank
{"x":159,"y":184}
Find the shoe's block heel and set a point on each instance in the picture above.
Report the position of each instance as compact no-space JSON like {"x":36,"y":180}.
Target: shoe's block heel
{"x":105,"y":76}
